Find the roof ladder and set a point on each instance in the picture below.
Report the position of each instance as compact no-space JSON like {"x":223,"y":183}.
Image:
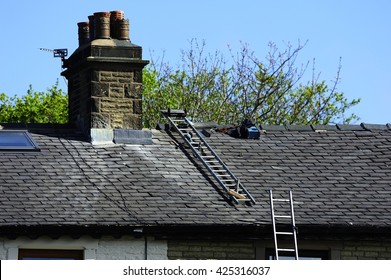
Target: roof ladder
{"x":283,"y":224}
{"x":231,"y":185}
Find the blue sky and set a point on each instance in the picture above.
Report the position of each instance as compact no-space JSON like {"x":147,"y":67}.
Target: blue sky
{"x":358,"y":31}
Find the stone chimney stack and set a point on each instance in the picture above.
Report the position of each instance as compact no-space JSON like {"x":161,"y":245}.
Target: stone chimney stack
{"x":105,"y":75}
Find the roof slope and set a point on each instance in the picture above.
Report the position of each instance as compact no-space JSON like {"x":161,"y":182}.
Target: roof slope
{"x":339,"y":177}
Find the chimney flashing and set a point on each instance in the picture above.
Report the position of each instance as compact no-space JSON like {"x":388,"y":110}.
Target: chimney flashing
{"x":104,"y":136}
{"x":132,"y":136}
{"x":100,"y":136}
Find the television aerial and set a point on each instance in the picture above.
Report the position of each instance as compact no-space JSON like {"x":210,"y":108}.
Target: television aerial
{"x":62,"y":53}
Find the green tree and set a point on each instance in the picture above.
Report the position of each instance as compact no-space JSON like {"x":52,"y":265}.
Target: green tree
{"x":268,"y":92}
{"x":35,"y":107}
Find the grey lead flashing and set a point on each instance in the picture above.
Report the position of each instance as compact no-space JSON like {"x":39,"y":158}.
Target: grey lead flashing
{"x":130,"y":136}
{"x":103,"y":136}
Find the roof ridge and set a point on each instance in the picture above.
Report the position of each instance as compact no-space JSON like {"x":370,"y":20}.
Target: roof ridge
{"x":326,"y":127}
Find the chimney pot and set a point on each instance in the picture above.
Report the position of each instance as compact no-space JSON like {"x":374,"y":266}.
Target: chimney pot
{"x":115,"y":17}
{"x":123,"y":29}
{"x":84,"y":32}
{"x":102,"y":25}
{"x":92,"y":27}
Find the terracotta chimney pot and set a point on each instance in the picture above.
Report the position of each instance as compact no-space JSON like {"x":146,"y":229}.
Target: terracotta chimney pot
{"x":102,"y":25}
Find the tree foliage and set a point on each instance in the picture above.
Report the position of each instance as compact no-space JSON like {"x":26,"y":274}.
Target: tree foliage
{"x":35,"y":107}
{"x":268,"y":92}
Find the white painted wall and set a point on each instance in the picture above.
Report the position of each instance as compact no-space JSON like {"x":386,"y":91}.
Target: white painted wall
{"x":3,"y":251}
{"x":106,"y":248}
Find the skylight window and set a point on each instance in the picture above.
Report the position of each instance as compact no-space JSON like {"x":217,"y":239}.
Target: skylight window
{"x":19,"y":140}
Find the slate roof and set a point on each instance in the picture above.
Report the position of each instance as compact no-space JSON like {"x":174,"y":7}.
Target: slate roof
{"x":340,"y":176}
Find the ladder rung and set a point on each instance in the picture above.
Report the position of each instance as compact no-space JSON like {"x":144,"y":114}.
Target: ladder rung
{"x":281,"y":200}
{"x":174,"y":112}
{"x":283,"y":217}
{"x":219,"y":171}
{"x":286,"y":250}
{"x":284,"y":233}
{"x":225,"y":172}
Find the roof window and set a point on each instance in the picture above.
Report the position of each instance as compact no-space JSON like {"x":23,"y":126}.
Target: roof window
{"x":19,"y":140}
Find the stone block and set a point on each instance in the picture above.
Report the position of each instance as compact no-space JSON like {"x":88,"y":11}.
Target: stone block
{"x":372,"y":248}
{"x":117,"y":120}
{"x":138,"y":77}
{"x":132,"y":121}
{"x":358,"y":253}
{"x":100,"y":89}
{"x":385,"y":255}
{"x":175,"y":255}
{"x":198,"y":255}
{"x":219,"y":255}
{"x":116,"y":105}
{"x":95,"y":76}
{"x":99,"y":120}
{"x":239,"y":256}
{"x":195,"y":249}
{"x":124,"y":80}
{"x":247,"y":250}
{"x":133,"y":90}
{"x":95,"y":105}
{"x":117,"y":92}
{"x":123,"y":75}
{"x":137,"y":106}
{"x":106,"y":76}
{"x":371,"y":254}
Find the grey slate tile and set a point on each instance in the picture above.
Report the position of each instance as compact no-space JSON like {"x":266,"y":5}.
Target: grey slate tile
{"x":339,"y":177}
{"x":349,"y":127}
{"x":272,"y":127}
{"x":374,"y":127}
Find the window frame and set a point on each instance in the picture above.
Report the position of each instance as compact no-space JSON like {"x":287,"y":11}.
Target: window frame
{"x":50,"y":254}
{"x":33,"y":146}
{"x":305,"y":254}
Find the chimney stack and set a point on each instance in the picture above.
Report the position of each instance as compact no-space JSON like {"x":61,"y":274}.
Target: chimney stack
{"x":105,"y":75}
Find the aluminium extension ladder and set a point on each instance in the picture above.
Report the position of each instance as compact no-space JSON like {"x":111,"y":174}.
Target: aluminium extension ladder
{"x":283,"y":220}
{"x":231,"y":185}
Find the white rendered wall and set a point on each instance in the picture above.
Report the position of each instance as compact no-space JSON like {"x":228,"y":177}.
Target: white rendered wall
{"x":106,"y":248}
